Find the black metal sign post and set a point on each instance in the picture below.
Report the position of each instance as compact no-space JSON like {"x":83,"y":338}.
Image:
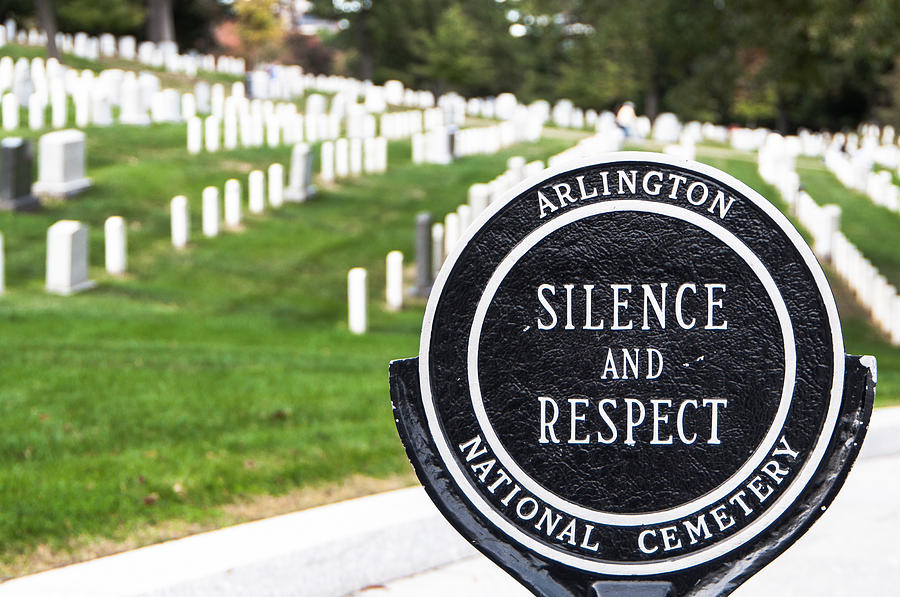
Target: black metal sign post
{"x":632,"y":381}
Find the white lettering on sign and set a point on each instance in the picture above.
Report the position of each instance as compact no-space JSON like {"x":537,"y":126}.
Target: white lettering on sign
{"x":625,"y":183}
{"x":740,"y":506}
{"x":555,"y":526}
{"x":631,"y":307}
{"x":607,"y":420}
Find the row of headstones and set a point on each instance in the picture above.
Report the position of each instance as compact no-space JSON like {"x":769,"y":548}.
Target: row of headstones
{"x":67,"y":263}
{"x":442,"y":145}
{"x":352,"y":157}
{"x":37,"y":86}
{"x":61,"y":172}
{"x":67,"y":268}
{"x":260,"y":186}
{"x":162,"y":55}
{"x":874,"y":292}
{"x":236,"y":121}
{"x":854,"y":174}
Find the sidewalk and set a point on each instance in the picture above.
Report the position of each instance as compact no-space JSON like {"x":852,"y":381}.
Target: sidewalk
{"x":359,"y":547}
{"x":851,"y":550}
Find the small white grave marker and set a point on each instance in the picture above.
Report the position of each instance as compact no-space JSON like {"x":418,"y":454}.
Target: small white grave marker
{"x":61,"y":164}
{"x":257,"y":191}
{"x":180,"y":221}
{"x":233,"y":203}
{"x":114,"y":233}
{"x":327,"y":165}
{"x":394,"y":290}
{"x":276,"y":185}
{"x":356,"y":300}
{"x":67,"y":258}
{"x":211,"y":133}
{"x":211,"y":211}
{"x":195,"y":135}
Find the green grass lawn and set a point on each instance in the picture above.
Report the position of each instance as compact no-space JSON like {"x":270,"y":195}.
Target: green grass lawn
{"x":210,"y":375}
{"x":225,"y":372}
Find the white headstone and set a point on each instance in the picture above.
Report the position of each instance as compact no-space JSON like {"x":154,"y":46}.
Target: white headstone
{"x":356,"y":300}
{"x":394,"y":290}
{"x":233,"y":203}
{"x":327,"y":162}
{"x":67,"y":258}
{"x":211,"y":211}
{"x":61,"y":164}
{"x":465,"y":217}
{"x":341,"y":158}
{"x":276,"y":185}
{"x":356,"y":157}
{"x":114,"y":234}
{"x":188,"y":106}
{"x":451,"y":231}
{"x":257,"y":191}
{"x":36,"y":107}
{"x":180,"y":221}
{"x":10,"y":109}
{"x":211,"y":133}
{"x":300,"y":176}
{"x":195,"y":135}
{"x":59,"y":115}
{"x":132,"y":110}
{"x":479,"y":195}
{"x":437,"y":247}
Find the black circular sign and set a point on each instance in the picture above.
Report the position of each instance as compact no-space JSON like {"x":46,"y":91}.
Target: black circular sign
{"x":633,"y":366}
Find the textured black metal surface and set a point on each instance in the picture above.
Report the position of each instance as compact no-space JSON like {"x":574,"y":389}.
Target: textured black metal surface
{"x":550,"y":579}
{"x":632,"y":371}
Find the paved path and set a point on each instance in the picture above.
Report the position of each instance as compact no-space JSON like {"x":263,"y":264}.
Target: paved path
{"x":334,"y":550}
{"x":852,"y":550}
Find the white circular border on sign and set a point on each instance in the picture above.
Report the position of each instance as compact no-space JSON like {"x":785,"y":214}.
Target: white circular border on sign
{"x":735,"y":244}
{"x":673,"y":563}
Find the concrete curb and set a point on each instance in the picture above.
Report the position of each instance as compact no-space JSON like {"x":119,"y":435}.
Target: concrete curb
{"x":329,"y":551}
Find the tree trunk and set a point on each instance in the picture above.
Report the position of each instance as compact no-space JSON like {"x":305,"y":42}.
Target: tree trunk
{"x":651,"y":100}
{"x":47,"y":22}
{"x":783,"y":121}
{"x":160,"y":22}
{"x":364,"y":46}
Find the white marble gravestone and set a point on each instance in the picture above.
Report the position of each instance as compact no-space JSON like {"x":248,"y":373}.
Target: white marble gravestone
{"x":61,"y":164}
{"x":67,"y":258}
{"x":195,"y":135}
{"x":276,"y":185}
{"x":211,"y":212}
{"x":257,"y":191}
{"x":341,"y":158}
{"x":181,"y":228}
{"x":233,"y":203}
{"x":326,"y":156}
{"x":211,"y":133}
{"x":394,"y":280}
{"x":115,"y":245}
{"x":300,"y":186}
{"x":356,"y":300}
{"x":10,"y":112}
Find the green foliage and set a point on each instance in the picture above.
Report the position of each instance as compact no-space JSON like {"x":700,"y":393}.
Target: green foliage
{"x":451,"y":56}
{"x":100,"y":16}
{"x":258,"y":28}
{"x":777,"y":63}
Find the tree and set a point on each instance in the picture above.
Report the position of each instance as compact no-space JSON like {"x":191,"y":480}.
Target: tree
{"x":258,"y":29}
{"x":450,"y":57}
{"x":47,"y":22}
{"x":160,"y":21}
